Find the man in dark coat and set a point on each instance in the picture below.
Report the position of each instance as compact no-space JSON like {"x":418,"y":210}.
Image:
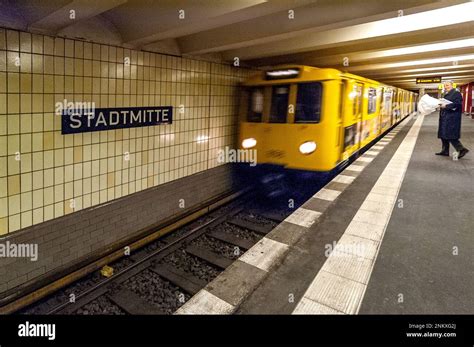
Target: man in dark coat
{"x":449,"y":130}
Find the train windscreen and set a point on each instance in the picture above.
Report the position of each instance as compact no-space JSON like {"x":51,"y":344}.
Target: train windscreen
{"x":255,"y":110}
{"x":279,"y":107}
{"x":308,"y":103}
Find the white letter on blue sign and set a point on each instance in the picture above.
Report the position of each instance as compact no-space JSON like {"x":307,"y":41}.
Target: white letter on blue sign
{"x":164,"y":115}
{"x":77,"y":121}
{"x":101,"y":119}
{"x":111,"y":118}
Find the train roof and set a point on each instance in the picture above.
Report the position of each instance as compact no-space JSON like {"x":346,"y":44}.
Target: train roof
{"x":305,"y":72}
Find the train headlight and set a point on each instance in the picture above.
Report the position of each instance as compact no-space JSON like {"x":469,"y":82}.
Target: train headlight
{"x":249,"y":143}
{"x":308,"y":147}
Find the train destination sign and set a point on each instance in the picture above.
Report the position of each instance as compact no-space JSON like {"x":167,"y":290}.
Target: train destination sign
{"x":79,"y":120}
{"x":436,"y":79}
{"x":282,"y":74}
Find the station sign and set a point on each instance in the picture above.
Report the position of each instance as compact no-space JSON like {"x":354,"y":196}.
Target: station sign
{"x":82,"y":120}
{"x":282,"y":74}
{"x":422,"y":80}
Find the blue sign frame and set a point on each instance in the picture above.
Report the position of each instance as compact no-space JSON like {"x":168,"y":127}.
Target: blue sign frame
{"x":75,"y":121}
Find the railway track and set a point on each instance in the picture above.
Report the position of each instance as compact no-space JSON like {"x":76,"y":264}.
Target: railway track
{"x":163,"y":275}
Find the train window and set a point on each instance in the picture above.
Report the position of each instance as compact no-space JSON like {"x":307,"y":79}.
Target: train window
{"x":308,"y":103}
{"x":255,"y":105}
{"x":356,"y":96}
{"x":372,"y":100}
{"x":350,"y":134}
{"x":279,"y":107}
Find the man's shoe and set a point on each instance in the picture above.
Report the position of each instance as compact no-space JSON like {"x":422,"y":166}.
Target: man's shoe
{"x":462,"y":153}
{"x":444,"y":153}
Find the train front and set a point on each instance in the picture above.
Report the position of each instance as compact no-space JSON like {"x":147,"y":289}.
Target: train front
{"x":290,"y":127}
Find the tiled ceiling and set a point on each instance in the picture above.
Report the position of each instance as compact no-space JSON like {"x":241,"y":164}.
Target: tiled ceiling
{"x":391,"y":41}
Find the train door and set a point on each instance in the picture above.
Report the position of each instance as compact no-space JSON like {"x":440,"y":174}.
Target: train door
{"x":380,"y":109}
{"x":351,"y":117}
{"x":390,"y":98}
{"x":400,"y":105}
{"x":357,"y":111}
{"x":370,"y":117}
{"x":394,"y":106}
{"x":406,"y":103}
{"x":342,"y":116}
{"x":386,"y":108}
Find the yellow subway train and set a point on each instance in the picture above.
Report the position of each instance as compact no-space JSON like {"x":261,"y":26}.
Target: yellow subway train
{"x":308,"y":119}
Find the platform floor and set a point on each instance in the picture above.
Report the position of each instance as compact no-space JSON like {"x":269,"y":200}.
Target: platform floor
{"x":400,"y":226}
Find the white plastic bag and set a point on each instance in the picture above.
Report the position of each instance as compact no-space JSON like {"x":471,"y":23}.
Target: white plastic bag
{"x":427,"y":105}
